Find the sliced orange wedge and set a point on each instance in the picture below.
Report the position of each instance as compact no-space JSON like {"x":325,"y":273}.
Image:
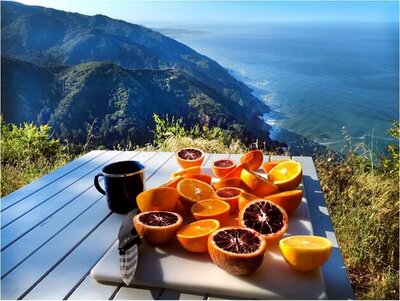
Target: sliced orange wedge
{"x":229,"y":182}
{"x":235,"y":173}
{"x":267,"y":166}
{"x":245,"y":198}
{"x":289,"y":200}
{"x":257,"y":184}
{"x":201,"y":177}
{"x":253,"y":159}
{"x":186,"y":171}
{"x":172,"y":182}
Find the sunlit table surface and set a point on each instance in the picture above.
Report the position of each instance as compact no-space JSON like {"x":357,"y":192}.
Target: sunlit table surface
{"x":55,"y":230}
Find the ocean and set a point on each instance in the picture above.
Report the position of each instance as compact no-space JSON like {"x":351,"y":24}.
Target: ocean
{"x":336,"y":84}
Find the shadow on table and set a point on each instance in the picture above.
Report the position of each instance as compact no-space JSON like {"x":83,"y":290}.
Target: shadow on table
{"x":334,"y":271}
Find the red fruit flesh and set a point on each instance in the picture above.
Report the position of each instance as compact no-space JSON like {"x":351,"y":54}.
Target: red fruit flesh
{"x":189,"y":154}
{"x":224,"y":163}
{"x":264,"y":217}
{"x":238,"y":241}
{"x":228,"y":192}
{"x":158,"y":219}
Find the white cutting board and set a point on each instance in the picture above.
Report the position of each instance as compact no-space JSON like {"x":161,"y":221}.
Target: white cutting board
{"x":172,"y":267}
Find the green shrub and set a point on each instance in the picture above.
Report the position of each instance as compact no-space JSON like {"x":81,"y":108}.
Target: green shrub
{"x":171,"y":134}
{"x":390,"y":162}
{"x":27,"y":152}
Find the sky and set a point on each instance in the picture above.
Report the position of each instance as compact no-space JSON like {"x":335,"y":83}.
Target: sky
{"x":171,"y":12}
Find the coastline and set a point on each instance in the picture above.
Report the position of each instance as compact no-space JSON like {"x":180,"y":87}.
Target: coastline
{"x":323,"y":98}
{"x":296,"y":144}
{"x":271,"y":117}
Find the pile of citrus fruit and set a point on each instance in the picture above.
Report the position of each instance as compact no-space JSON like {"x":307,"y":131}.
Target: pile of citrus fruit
{"x":235,"y":218}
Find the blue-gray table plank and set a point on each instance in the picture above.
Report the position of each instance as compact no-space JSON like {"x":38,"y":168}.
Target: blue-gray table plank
{"x":34,"y":239}
{"x":26,"y":274}
{"x":20,"y":194}
{"x":57,"y":200}
{"x":36,"y":199}
{"x":335,"y":275}
{"x":75,"y":266}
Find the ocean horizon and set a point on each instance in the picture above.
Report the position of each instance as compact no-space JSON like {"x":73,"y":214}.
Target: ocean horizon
{"x":334,"y":83}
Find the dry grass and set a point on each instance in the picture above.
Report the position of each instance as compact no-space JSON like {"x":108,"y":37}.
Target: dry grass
{"x":173,"y":144}
{"x":364,"y":206}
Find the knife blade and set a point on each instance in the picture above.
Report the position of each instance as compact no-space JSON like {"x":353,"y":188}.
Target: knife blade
{"x":128,"y":247}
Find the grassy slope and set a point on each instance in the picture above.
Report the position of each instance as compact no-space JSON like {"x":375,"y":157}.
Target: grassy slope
{"x":364,"y":206}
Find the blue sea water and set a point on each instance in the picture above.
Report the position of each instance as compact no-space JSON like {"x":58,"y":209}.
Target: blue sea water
{"x":324,"y":81}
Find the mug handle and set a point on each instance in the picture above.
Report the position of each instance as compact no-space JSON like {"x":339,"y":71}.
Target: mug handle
{"x":96,"y":183}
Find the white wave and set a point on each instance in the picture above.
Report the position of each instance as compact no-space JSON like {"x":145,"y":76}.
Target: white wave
{"x":274,"y":123}
{"x":356,"y":138}
{"x":261,"y":84}
{"x":268,"y":98}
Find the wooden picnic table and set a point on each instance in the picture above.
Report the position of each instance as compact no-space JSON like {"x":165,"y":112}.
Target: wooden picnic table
{"x":55,"y":230}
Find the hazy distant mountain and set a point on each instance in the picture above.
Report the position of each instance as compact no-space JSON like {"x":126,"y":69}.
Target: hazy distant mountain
{"x":180,"y":81}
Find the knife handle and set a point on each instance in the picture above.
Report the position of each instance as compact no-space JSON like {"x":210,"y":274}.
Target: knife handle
{"x":127,"y":234}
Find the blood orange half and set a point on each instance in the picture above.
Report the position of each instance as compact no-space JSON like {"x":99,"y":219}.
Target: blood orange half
{"x":239,"y":251}
{"x":229,"y":195}
{"x":157,"y":227}
{"x":189,"y":157}
{"x":265,"y":217}
{"x":222,"y":167}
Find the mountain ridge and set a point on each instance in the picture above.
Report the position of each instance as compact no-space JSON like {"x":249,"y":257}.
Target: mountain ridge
{"x":119,"y":102}
{"x":58,"y":44}
{"x":86,"y":38}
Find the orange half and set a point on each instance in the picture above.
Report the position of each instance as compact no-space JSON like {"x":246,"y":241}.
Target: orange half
{"x":229,"y":195}
{"x":212,"y":208}
{"x":194,"y":236}
{"x":192,"y":191}
{"x":220,"y":168}
{"x":185,"y":158}
{"x":286,"y":175}
{"x":158,"y":199}
{"x":305,"y":253}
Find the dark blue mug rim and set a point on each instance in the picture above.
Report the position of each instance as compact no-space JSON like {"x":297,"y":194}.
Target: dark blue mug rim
{"x":136,"y":166}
